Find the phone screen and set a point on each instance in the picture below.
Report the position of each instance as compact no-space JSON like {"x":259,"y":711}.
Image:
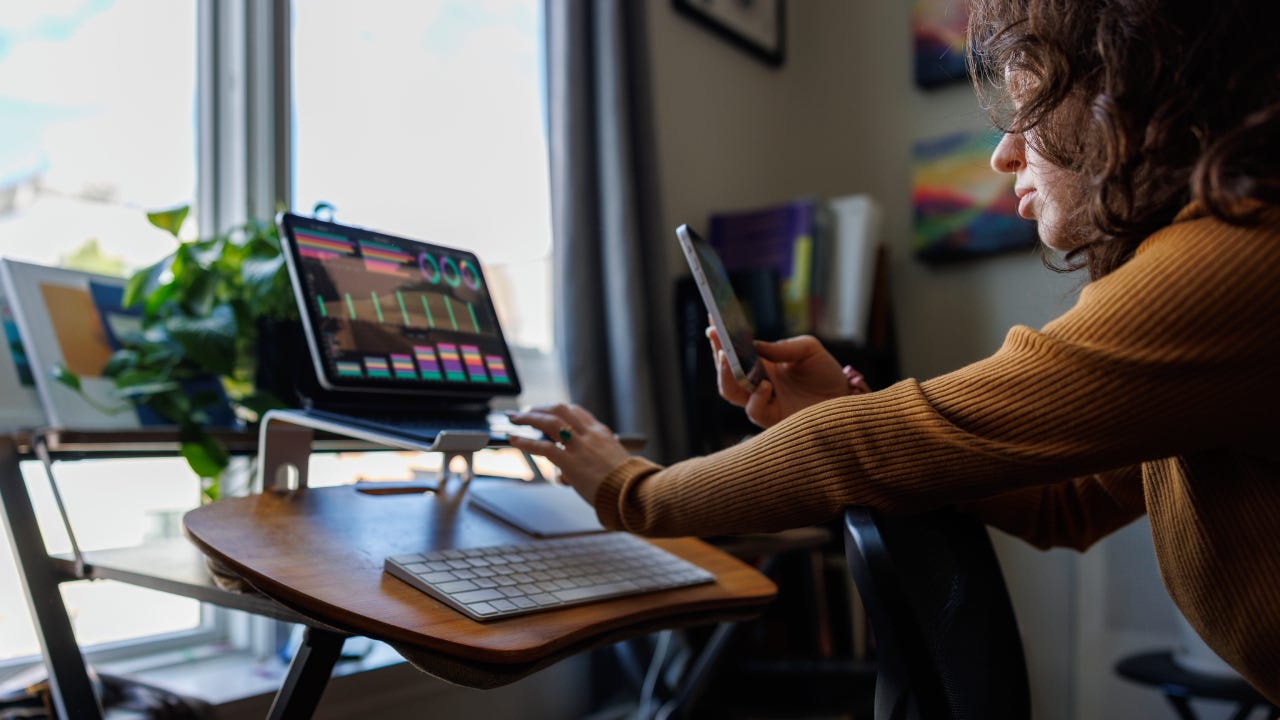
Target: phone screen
{"x":726,"y":312}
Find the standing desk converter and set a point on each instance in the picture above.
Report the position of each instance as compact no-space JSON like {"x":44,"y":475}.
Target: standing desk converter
{"x":316,"y":555}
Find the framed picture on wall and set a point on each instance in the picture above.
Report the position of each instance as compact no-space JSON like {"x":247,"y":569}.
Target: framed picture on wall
{"x":963,"y":210}
{"x":757,"y":26}
{"x":938,"y":39}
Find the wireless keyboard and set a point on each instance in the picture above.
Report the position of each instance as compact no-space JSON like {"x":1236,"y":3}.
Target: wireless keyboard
{"x":507,"y":580}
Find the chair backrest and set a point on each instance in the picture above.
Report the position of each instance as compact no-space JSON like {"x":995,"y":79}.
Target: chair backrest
{"x":947,"y":643}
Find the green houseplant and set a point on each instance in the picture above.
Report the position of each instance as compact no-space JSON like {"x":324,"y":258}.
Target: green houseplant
{"x":201,"y":309}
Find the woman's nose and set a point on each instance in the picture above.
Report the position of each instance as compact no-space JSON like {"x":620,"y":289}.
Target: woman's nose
{"x":1010,"y":155}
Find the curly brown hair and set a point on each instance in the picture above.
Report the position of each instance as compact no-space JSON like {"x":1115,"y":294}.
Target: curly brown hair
{"x":1148,"y":104}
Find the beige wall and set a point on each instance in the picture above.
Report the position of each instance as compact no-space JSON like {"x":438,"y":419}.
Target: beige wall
{"x":839,"y":117}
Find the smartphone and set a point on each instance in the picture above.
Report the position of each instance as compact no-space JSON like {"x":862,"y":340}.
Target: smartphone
{"x":727,"y":315}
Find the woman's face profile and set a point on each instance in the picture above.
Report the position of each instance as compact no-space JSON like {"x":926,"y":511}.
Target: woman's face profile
{"x":1039,"y":184}
{"x":1039,"y":187}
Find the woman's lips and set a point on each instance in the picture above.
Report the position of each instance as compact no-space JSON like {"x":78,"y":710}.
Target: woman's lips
{"x":1025,"y":208}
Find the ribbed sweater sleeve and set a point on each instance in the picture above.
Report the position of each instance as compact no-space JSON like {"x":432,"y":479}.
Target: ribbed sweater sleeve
{"x":1168,"y":354}
{"x":1075,"y":513}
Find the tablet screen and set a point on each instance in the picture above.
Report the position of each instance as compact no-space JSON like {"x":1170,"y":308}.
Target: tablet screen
{"x":384,"y":312}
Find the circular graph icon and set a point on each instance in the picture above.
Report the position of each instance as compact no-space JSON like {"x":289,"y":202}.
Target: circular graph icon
{"x":449,"y":269}
{"x":470,"y":275}
{"x":429,"y":267}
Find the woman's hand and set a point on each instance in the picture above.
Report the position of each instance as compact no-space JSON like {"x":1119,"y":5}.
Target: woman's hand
{"x":584,"y":448}
{"x":799,"y":372}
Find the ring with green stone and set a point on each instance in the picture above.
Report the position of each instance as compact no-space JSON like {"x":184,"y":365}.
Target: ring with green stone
{"x":565,"y":434}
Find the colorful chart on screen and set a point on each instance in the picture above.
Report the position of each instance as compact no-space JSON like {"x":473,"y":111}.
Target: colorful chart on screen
{"x":386,"y":311}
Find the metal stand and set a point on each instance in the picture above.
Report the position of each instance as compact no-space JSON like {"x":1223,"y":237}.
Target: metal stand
{"x":660,"y":702}
{"x":285,"y":437}
{"x":72,"y":692}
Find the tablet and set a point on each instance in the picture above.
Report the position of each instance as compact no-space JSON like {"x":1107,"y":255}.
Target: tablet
{"x":387,"y":314}
{"x":727,"y":315}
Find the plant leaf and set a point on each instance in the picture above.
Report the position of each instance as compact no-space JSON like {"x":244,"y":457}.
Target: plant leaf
{"x":322,"y":210}
{"x":201,"y":293}
{"x":205,"y":454}
{"x":210,"y":341}
{"x":121,"y":361}
{"x":65,"y":376}
{"x":207,"y":252}
{"x":144,"y":282}
{"x":259,"y":274}
{"x":147,"y":388}
{"x":260,"y":402}
{"x":169,"y":220}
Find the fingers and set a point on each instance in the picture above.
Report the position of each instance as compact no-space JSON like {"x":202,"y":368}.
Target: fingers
{"x":857,"y":384}
{"x":551,"y":419}
{"x":714,"y":338}
{"x":791,"y":349}
{"x":545,"y":448}
{"x":757,"y":405}
{"x":727,"y":384}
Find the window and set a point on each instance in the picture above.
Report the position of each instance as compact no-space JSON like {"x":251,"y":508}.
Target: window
{"x":421,"y":119}
{"x":97,"y":107}
{"x":426,"y":120}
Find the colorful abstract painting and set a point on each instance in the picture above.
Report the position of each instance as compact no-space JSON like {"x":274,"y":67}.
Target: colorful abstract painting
{"x":962,"y":208}
{"x":937,"y":32}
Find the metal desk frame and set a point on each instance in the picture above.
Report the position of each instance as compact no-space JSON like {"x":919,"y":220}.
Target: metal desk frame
{"x":41,"y":573}
{"x":286,"y":439}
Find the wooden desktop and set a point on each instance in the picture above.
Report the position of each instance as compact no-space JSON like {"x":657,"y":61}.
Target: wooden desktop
{"x":316,"y":557}
{"x":320,"y":552}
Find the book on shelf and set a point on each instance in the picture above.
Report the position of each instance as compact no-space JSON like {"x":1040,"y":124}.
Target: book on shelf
{"x":849,"y":267}
{"x":823,"y":252}
{"x":781,"y":238}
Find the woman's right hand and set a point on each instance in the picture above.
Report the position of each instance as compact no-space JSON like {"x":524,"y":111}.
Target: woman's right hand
{"x":799,"y":372}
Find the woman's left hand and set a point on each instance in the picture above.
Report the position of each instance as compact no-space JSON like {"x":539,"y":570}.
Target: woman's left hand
{"x":584,"y":448}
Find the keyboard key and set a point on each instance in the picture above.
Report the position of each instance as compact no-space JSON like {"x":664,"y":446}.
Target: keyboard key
{"x":482,"y":608}
{"x":475,"y":596}
{"x":504,"y":605}
{"x":456,"y":587}
{"x":592,"y":591}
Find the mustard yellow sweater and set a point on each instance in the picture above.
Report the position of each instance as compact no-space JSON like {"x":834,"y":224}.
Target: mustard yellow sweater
{"x":1159,"y":392}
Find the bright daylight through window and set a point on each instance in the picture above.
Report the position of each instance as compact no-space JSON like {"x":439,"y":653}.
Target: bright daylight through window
{"x":426,"y":120}
{"x":423,"y":119}
{"x":97,"y":107}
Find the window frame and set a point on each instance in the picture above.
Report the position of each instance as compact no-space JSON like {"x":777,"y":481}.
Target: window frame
{"x":242,"y":131}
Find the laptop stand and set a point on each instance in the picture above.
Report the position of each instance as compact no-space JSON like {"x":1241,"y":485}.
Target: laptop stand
{"x":285,"y":437}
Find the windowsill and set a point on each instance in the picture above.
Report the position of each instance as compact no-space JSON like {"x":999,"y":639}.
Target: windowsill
{"x":220,"y":676}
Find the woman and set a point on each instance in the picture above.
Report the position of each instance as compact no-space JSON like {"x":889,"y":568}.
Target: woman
{"x":1145,"y":139}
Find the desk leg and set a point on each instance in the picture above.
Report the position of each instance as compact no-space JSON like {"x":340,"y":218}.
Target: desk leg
{"x":1182,"y":706}
{"x":695,"y":679}
{"x":308,"y":674}
{"x":72,"y":693}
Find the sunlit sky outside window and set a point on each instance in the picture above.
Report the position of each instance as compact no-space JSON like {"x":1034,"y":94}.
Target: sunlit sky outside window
{"x":97,"y":125}
{"x":425,"y":120}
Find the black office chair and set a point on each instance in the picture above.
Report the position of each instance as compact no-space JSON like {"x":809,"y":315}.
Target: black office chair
{"x":947,"y":644}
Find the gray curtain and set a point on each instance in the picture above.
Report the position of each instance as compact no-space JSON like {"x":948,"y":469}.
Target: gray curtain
{"x":615,"y":327}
